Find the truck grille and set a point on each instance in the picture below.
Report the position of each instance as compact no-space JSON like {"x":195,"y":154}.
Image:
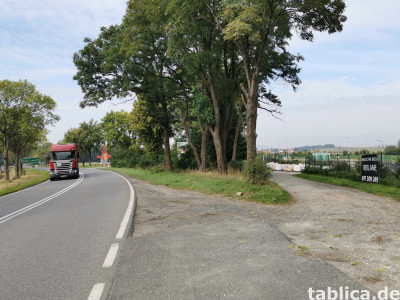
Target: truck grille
{"x":63,"y":168}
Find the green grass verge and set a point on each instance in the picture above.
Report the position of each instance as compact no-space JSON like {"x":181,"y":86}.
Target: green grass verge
{"x":271,"y":193}
{"x":372,"y":188}
{"x":42,"y":176}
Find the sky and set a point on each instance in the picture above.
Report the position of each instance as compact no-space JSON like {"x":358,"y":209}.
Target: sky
{"x":349,"y":96}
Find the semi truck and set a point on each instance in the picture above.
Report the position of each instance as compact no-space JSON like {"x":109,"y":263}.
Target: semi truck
{"x":64,"y":161}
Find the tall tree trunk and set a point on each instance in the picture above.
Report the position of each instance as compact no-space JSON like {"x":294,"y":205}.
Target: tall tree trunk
{"x":5,"y":162}
{"x":222,"y":166}
{"x":189,"y":139}
{"x":251,"y":104}
{"x":230,"y":74}
{"x":219,"y":149}
{"x":17,"y":165}
{"x":167,"y":147}
{"x":251,"y":98}
{"x":251,"y":137}
{"x":21,"y":167}
{"x":227,"y":122}
{"x":204,"y":134}
{"x":237,"y":132}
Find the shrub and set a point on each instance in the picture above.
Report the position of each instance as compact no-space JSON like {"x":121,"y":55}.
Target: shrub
{"x":236,"y":165}
{"x":257,"y":172}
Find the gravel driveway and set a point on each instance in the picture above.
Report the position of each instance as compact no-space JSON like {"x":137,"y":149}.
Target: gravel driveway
{"x":359,"y":233}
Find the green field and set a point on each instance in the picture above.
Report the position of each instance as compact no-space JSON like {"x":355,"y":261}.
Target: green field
{"x":212,"y":184}
{"x":32,"y":178}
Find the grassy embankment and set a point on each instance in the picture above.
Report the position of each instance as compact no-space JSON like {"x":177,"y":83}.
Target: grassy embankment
{"x":372,"y":188}
{"x":212,"y":183}
{"x":32,"y":177}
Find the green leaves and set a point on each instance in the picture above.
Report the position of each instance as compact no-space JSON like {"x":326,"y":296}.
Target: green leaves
{"x":24,"y":115}
{"x":242,"y":20}
{"x":117,"y":129}
{"x":88,"y":136}
{"x":201,"y":107}
{"x":224,"y":48}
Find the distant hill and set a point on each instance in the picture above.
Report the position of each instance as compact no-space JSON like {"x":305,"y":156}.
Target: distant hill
{"x":304,"y":148}
{"x":328,"y":148}
{"x":311,"y":148}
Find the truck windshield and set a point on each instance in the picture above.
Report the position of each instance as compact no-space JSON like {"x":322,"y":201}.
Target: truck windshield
{"x":63,"y":155}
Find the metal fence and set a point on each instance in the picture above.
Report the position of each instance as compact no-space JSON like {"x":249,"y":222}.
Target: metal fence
{"x":313,"y":161}
{"x":343,"y":165}
{"x":392,"y":167}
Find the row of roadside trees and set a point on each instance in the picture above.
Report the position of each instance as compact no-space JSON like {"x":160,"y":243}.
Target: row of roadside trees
{"x":201,"y":67}
{"x":24,"y":115}
{"x":135,"y":141}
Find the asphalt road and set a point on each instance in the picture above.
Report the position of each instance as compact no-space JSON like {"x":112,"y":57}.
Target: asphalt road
{"x":60,"y":240}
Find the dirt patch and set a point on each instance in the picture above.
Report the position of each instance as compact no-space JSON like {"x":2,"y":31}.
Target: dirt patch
{"x":357,"y":232}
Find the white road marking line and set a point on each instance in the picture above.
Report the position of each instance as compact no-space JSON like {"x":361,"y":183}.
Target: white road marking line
{"x":97,"y":291}
{"x":112,"y":254}
{"x":125,"y":220}
{"x":98,"y":288}
{"x":40,"y":202}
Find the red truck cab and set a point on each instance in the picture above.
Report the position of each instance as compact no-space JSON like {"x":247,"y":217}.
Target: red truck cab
{"x":64,"y":161}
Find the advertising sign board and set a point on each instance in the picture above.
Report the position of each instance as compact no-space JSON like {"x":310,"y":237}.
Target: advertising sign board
{"x":369,"y":168}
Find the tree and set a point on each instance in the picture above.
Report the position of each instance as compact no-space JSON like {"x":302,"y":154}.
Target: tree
{"x":42,"y":151}
{"x":21,"y":109}
{"x":32,"y":131}
{"x":210,"y":62}
{"x":391,"y":150}
{"x":88,"y":136}
{"x":261,"y":30}
{"x":93,"y":137}
{"x":239,"y":123}
{"x":128,"y":60}
{"x":121,"y":139}
{"x":117,"y":129}
{"x":158,"y":54}
{"x":75,"y":135}
{"x":145,"y":122}
{"x":200,"y":116}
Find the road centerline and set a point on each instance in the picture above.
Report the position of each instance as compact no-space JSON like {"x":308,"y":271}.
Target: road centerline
{"x":40,"y":202}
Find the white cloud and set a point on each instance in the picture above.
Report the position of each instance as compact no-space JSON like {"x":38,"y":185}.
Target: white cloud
{"x":351,"y":84}
{"x":38,"y":39}
{"x":71,"y":114}
{"x":325,"y":112}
